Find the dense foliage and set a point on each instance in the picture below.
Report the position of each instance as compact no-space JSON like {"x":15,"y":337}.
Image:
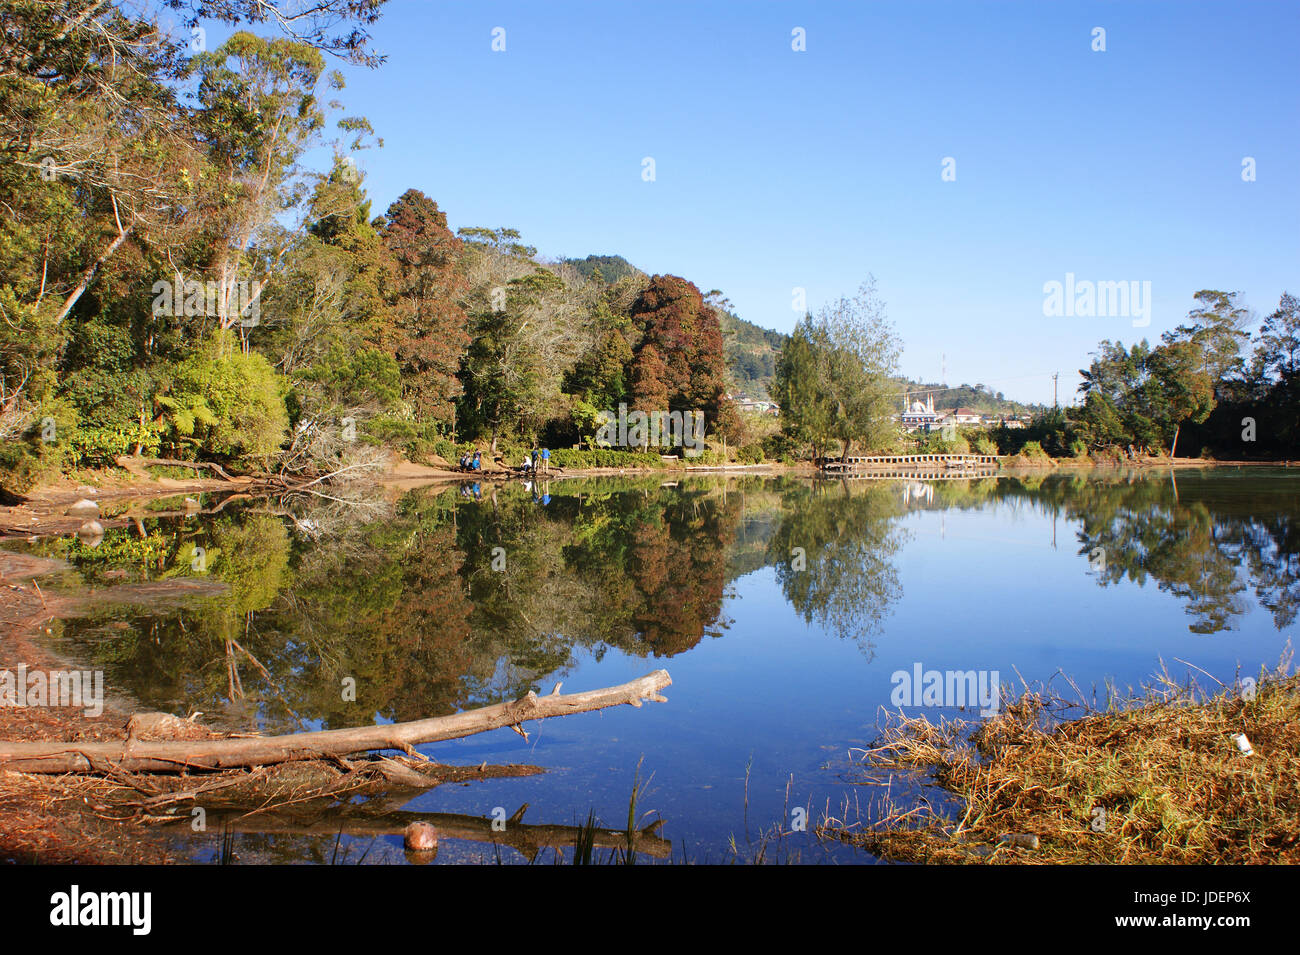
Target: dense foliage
{"x":174,"y":280}
{"x":1208,"y":388}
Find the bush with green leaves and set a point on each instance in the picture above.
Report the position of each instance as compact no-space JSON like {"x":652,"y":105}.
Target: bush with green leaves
{"x":100,"y":447}
{"x":225,"y":404}
{"x":780,"y":446}
{"x":604,"y":458}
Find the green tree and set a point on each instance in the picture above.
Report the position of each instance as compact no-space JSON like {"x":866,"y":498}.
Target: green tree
{"x":834,"y":374}
{"x":1216,"y":328}
{"x":1277,"y":354}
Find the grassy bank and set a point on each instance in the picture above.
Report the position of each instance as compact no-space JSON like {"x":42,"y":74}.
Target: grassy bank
{"x":1157,"y":780}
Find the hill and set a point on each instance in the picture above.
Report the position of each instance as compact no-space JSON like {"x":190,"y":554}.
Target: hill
{"x":751,"y":353}
{"x":611,"y":267}
{"x":977,"y":397}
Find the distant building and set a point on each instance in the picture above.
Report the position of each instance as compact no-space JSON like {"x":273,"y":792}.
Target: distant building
{"x":754,"y":404}
{"x":962,"y":416}
{"x":920,"y":414}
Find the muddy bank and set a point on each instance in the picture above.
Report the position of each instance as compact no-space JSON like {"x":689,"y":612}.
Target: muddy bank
{"x":43,"y":819}
{"x":117,"y":817}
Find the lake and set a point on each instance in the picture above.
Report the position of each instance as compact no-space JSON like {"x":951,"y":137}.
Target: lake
{"x":790,"y":611}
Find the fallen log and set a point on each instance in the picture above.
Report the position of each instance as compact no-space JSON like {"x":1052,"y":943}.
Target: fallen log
{"x":172,"y":756}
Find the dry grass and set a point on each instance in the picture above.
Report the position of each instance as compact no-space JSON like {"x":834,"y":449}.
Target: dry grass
{"x":1157,"y":779}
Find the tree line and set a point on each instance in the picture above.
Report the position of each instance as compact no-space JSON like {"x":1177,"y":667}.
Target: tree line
{"x":177,"y":281}
{"x":1209,"y":387}
{"x":1231,"y":393}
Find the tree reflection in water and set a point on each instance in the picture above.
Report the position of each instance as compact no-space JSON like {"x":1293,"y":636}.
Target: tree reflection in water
{"x":438,"y":602}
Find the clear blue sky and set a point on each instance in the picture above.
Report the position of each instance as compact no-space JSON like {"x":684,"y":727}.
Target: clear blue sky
{"x":778,"y":169}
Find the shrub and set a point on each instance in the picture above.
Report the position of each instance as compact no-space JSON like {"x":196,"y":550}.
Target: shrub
{"x":604,"y":458}
{"x":391,"y":430}
{"x":100,"y":447}
{"x":228,"y":405}
{"x":780,"y":446}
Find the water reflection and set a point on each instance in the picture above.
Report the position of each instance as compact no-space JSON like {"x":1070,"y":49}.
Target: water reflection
{"x":331,"y":615}
{"x":835,"y":555}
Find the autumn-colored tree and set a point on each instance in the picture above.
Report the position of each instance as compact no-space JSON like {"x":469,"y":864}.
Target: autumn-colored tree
{"x":428,"y":328}
{"x":649,"y":381}
{"x":674,"y":320}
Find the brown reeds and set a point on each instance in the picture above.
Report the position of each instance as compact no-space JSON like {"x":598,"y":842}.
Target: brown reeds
{"x":1157,"y":778}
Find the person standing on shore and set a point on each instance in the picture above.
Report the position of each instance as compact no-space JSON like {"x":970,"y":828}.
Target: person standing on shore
{"x":546,"y":460}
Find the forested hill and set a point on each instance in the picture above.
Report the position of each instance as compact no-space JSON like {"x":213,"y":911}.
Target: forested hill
{"x":611,"y":268}
{"x":751,"y":352}
{"x":977,"y":397}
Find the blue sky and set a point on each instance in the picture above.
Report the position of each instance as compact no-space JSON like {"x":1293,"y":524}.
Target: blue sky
{"x":778,"y":169}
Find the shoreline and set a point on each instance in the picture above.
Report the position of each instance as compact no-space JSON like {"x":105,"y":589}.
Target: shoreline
{"x":42,"y":821}
{"x":42,"y":510}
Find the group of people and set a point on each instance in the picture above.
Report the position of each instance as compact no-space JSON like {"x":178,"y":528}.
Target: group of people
{"x":537,"y":464}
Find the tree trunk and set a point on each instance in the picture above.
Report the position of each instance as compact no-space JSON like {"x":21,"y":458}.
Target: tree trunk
{"x":89,"y":275}
{"x":170,"y":756}
{"x":1173,"y":449}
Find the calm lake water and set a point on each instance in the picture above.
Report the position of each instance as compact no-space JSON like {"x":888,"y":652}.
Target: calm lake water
{"x":781,"y":607}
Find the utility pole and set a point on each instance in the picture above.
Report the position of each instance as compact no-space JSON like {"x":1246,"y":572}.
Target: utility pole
{"x":1054,"y":377}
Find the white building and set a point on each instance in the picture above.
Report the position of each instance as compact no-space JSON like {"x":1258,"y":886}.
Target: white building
{"x":920,"y":414}
{"x":961,"y":416}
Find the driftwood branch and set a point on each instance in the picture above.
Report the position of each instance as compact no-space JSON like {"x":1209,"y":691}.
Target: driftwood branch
{"x":170,"y":756}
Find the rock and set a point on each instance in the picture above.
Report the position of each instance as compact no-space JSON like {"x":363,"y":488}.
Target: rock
{"x":421,"y":837}
{"x":91,"y":534}
{"x":83,"y":508}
